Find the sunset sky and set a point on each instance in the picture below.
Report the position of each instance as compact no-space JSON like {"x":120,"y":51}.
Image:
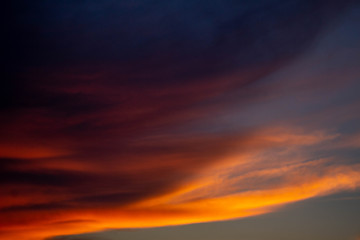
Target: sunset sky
{"x":181,"y":120}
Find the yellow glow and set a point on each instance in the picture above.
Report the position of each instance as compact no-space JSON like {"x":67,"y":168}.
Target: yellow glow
{"x":211,"y":195}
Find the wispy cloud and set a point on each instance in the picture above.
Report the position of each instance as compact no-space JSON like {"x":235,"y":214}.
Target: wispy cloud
{"x":225,"y":118}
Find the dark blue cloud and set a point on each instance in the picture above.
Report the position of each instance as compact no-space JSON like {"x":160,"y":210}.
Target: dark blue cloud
{"x":216,"y":35}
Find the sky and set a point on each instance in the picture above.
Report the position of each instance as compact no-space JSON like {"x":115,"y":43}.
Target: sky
{"x":144,"y":119}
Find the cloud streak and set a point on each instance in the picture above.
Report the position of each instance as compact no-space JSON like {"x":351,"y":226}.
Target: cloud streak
{"x":109,"y":125}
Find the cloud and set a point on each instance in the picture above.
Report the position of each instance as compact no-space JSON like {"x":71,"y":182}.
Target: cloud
{"x":134,"y":125}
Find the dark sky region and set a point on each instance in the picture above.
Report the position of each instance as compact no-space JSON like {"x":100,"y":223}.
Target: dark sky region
{"x":194,"y":120}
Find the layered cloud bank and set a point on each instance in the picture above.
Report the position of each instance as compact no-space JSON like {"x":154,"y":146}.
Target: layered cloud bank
{"x":133,"y":115}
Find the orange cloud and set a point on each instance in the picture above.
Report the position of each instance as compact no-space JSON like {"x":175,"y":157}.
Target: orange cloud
{"x":261,"y":173}
{"x":223,"y":119}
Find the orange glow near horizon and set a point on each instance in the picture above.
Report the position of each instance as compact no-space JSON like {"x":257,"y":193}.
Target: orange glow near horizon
{"x":212,"y":195}
{"x":164,"y":212}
